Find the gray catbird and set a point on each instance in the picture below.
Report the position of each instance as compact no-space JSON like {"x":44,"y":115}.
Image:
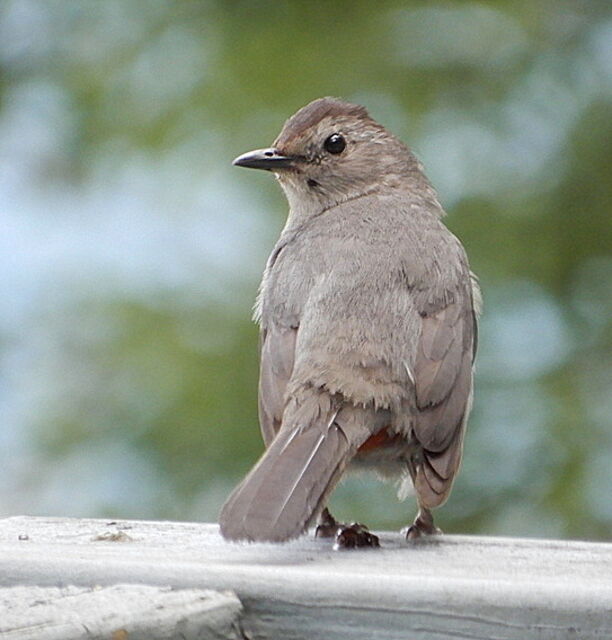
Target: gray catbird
{"x":368,"y":313}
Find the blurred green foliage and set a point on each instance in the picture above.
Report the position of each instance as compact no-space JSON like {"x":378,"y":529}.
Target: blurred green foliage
{"x":136,"y":394}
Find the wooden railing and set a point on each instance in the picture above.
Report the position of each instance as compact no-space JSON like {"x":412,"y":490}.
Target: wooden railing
{"x":126,"y":580}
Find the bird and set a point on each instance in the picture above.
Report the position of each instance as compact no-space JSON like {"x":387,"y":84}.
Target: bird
{"x":368,"y":316}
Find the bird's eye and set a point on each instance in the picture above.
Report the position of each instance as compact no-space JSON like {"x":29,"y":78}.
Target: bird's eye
{"x":335,"y":143}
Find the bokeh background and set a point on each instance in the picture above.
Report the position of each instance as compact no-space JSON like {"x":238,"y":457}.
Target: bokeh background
{"x":131,"y":250}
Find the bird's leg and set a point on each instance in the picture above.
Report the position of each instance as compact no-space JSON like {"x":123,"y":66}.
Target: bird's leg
{"x":347,"y":536}
{"x":328,"y":525}
{"x":423,"y":525}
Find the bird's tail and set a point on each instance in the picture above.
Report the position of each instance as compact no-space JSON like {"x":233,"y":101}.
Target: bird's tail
{"x":285,"y":491}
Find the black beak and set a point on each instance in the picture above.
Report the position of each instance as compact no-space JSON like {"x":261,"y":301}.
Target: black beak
{"x":269,"y":159}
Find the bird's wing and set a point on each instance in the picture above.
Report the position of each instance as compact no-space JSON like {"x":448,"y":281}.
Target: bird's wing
{"x":277,"y":357}
{"x":443,"y":385}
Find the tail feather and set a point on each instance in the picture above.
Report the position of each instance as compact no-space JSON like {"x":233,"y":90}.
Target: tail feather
{"x":283,"y":494}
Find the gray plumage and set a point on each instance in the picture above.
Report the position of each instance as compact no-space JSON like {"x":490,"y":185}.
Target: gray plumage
{"x":367,"y":311}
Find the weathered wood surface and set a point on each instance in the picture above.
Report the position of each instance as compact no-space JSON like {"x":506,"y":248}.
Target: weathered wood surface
{"x":121,"y":612}
{"x":446,"y":587}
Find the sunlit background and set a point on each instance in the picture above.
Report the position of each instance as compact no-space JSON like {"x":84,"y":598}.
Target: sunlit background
{"x":132,"y":250}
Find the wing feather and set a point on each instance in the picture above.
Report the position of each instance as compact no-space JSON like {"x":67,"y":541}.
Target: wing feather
{"x":276,"y":366}
{"x":443,"y":373}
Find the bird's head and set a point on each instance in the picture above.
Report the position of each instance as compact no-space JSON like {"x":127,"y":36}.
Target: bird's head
{"x":331,"y":151}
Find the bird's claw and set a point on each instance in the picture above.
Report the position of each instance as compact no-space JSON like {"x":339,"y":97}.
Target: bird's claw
{"x":419,"y":529}
{"x":354,"y":536}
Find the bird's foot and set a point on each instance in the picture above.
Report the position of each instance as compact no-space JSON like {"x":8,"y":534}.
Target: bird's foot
{"x":346,"y":536}
{"x":423,"y":525}
{"x":353,"y":536}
